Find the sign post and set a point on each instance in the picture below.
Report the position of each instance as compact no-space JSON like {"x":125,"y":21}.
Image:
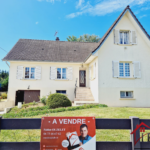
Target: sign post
{"x":68,"y":133}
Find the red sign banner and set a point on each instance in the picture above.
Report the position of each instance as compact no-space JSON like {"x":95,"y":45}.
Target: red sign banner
{"x":68,"y":133}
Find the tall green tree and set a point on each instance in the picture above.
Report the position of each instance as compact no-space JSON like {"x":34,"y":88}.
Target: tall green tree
{"x":4,"y":75}
{"x":84,"y":38}
{"x":72,"y":38}
{"x":5,"y":84}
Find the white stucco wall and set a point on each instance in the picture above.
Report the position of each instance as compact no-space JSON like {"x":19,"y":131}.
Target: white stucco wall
{"x":93,"y":83}
{"x":45,"y":85}
{"x":109,"y":87}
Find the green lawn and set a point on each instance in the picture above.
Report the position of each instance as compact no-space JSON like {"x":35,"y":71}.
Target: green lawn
{"x":101,"y":135}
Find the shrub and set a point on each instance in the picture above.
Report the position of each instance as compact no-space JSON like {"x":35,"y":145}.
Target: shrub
{"x":43,"y":100}
{"x":4,"y":95}
{"x":58,"y":100}
{"x":34,"y":103}
{"x":25,"y":105}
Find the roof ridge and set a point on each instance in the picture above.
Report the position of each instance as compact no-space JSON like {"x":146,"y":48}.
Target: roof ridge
{"x":58,"y":41}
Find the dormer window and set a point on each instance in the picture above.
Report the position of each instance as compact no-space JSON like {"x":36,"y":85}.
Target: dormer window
{"x":124,"y":37}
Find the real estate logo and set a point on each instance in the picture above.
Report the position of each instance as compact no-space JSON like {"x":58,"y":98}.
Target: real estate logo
{"x":142,"y":127}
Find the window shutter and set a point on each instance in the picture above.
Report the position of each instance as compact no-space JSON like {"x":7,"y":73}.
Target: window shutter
{"x":116,"y":36}
{"x":69,"y":73}
{"x":38,"y":72}
{"x":115,"y":68}
{"x":19,"y":72}
{"x":137,"y":69}
{"x":53,"y":73}
{"x":133,"y":37}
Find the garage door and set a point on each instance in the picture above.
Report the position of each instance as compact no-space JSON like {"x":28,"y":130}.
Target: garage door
{"x":31,"y":95}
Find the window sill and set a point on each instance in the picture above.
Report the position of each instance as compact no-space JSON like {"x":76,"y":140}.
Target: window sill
{"x":61,"y":79}
{"x":127,"y":98}
{"x":28,"y":79}
{"x":125,"y":78}
{"x":125,"y":44}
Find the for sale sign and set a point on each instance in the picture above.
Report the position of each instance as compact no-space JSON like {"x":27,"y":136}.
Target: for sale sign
{"x":68,"y":133}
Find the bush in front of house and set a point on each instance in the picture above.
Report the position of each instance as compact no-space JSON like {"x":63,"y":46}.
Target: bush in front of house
{"x":43,"y":100}
{"x":4,"y":96}
{"x":58,"y":100}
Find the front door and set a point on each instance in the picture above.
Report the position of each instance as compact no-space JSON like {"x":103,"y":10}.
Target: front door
{"x":82,"y":78}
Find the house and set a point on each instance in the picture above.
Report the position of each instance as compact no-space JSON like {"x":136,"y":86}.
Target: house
{"x":115,"y":71}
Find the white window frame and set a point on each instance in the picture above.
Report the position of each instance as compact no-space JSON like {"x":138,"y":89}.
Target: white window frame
{"x":125,"y":94}
{"x":124,"y":72}
{"x":61,"y":73}
{"x":29,"y":73}
{"x":121,"y":31}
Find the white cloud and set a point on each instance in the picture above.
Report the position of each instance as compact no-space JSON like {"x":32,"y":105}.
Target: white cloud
{"x":143,"y":16}
{"x":51,"y":1}
{"x":37,"y":22}
{"x":145,"y":8}
{"x":80,"y":3}
{"x":104,"y":7}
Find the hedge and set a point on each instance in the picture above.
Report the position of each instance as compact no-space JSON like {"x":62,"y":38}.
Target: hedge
{"x":29,"y":112}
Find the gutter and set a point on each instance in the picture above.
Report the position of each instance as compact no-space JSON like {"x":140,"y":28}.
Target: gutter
{"x":7,"y":64}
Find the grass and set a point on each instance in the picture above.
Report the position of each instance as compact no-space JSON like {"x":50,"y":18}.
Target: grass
{"x":101,"y":135}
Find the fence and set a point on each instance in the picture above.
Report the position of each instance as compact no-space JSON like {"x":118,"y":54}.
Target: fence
{"x":120,"y":124}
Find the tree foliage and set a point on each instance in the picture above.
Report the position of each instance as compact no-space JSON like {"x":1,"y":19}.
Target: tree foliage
{"x":84,"y":38}
{"x":4,"y":75}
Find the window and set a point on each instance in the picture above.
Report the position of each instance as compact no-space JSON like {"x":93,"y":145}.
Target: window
{"x":61,"y":91}
{"x":124,"y":37}
{"x":124,"y":69}
{"x":61,"y":73}
{"x":29,"y":73}
{"x":126,"y":94}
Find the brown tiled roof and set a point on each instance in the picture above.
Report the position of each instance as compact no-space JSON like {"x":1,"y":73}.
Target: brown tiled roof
{"x":116,"y":21}
{"x":52,"y":51}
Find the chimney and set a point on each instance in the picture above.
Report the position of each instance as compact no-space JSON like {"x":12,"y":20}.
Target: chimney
{"x":57,"y":38}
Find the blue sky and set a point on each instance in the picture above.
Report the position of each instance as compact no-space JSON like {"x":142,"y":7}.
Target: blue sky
{"x":39,"y":19}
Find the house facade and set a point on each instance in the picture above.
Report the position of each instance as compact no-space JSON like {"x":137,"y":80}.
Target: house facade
{"x":114,"y":71}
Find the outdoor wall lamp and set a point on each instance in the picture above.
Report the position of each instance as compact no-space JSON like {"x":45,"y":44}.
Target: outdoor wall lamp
{"x":28,"y":87}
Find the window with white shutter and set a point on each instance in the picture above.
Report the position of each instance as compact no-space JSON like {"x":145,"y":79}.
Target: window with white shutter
{"x":137,"y":69}
{"x":53,"y":72}
{"x":61,"y":73}
{"x":38,"y":72}
{"x":133,"y":37}
{"x":19,"y":72}
{"x":116,"y":36}
{"x":70,"y":73}
{"x":115,"y":68}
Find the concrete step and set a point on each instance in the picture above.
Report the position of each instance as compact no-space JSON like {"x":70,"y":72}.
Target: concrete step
{"x":79,"y":103}
{"x":84,"y":96}
{"x":84,"y":99}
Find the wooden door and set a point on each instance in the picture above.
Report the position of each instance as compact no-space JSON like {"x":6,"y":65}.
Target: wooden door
{"x":31,"y":95}
{"x":82,"y":78}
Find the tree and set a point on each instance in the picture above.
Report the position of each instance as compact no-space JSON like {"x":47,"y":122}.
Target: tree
{"x":73,"y":38}
{"x":5,"y":84}
{"x":84,"y":38}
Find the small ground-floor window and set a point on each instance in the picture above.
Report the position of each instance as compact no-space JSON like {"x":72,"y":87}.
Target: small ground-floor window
{"x":61,"y":91}
{"x":126,"y":94}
